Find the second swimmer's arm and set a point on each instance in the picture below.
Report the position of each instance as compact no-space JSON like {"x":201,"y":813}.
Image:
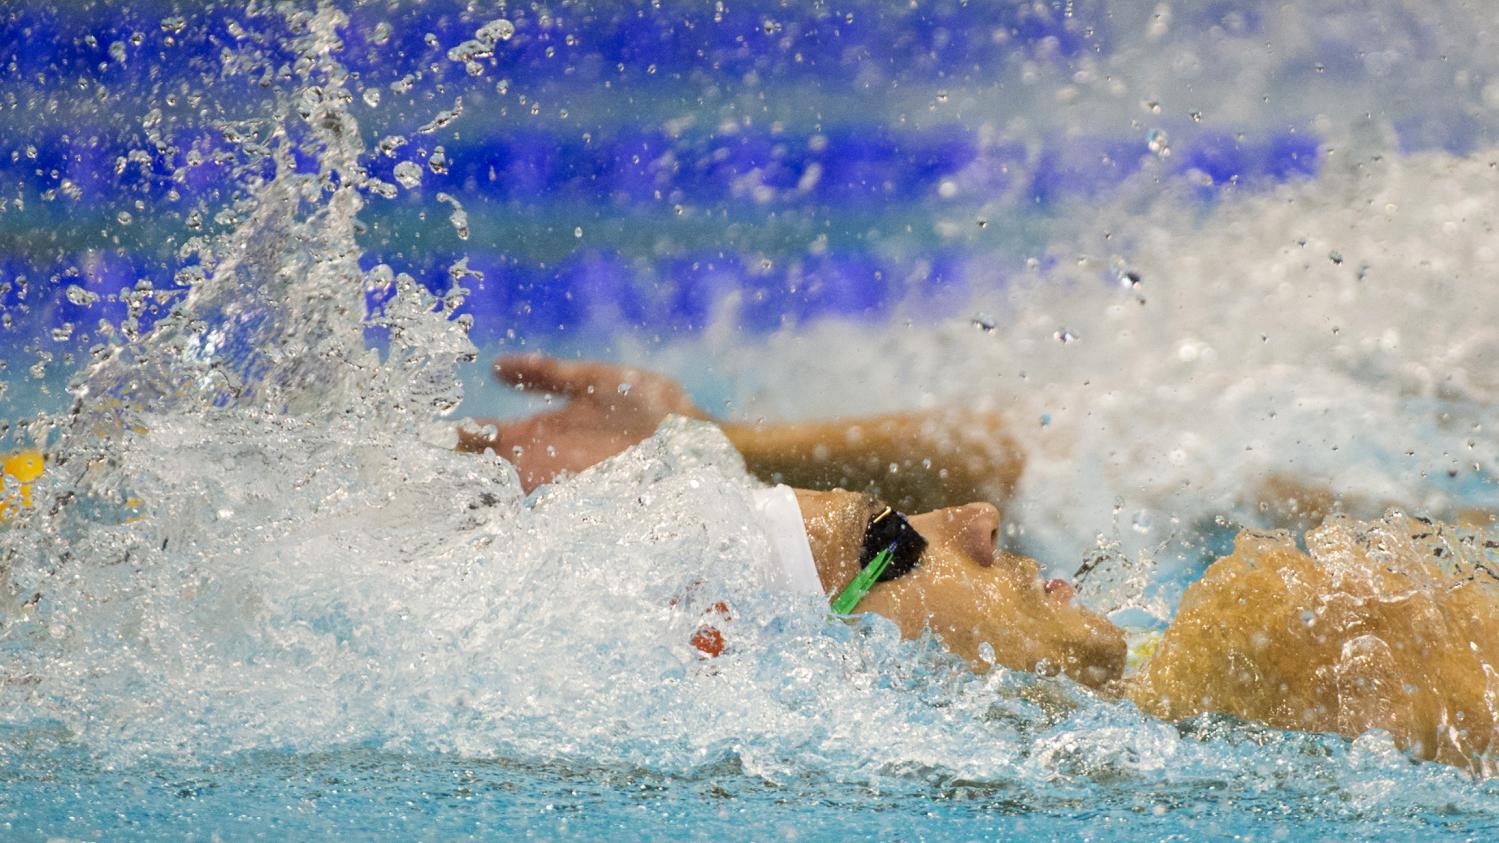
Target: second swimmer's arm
{"x":915,"y":461}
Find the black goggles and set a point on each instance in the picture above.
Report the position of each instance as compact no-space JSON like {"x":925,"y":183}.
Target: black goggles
{"x":890,"y":530}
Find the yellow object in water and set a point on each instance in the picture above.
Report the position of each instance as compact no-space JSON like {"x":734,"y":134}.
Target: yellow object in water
{"x":1142,"y":645}
{"x":23,"y":468}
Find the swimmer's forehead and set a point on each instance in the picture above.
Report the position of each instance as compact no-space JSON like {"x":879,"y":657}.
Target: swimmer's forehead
{"x":841,"y":510}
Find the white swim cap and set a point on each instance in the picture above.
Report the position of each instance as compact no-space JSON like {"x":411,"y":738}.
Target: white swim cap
{"x":793,"y":569}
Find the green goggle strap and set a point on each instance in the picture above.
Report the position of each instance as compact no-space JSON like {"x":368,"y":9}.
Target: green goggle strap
{"x":862,"y":582}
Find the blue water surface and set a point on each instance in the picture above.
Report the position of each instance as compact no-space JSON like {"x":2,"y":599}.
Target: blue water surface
{"x":373,"y":793}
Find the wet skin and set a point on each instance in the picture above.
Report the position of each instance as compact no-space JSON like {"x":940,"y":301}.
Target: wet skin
{"x":966,"y":592}
{"x":1373,"y":634}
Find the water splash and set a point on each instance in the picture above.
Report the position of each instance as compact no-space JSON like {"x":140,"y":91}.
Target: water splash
{"x":256,"y":539}
{"x":254,"y":413}
{"x":274,"y":316}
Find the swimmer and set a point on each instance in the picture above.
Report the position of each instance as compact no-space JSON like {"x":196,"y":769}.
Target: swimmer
{"x":1383,"y":636}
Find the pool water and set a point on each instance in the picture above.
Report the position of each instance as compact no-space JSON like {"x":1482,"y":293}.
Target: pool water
{"x":369,"y":792}
{"x":254,"y":261}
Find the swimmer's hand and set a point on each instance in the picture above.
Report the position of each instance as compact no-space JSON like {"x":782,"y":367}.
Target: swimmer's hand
{"x":609,"y":408}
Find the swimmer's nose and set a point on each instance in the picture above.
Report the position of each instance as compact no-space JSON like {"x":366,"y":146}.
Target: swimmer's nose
{"x":979,"y":531}
{"x":972,"y":528}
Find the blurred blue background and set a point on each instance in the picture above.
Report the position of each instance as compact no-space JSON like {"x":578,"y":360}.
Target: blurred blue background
{"x":623,"y":167}
{"x":651,"y":168}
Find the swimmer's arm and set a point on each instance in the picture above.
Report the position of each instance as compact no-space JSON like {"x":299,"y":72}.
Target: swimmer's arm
{"x":915,"y":461}
{"x":941,"y":458}
{"x":607,"y":409}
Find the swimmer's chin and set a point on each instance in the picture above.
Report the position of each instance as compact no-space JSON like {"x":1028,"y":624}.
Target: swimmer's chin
{"x":1087,"y":648}
{"x":1095,"y":654}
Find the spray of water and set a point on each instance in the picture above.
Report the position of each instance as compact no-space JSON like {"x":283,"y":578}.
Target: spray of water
{"x":255,"y":537}
{"x":254,"y":414}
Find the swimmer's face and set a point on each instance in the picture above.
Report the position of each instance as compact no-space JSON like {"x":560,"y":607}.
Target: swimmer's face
{"x":967,"y":592}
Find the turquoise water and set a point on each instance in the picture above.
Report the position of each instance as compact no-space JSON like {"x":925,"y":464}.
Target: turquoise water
{"x":369,"y":792}
{"x":1183,"y":250}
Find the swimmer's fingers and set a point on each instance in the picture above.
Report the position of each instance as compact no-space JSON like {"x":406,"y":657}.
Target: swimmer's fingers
{"x":541,"y":447}
{"x":476,"y":435}
{"x":595,"y":381}
{"x":575,"y":378}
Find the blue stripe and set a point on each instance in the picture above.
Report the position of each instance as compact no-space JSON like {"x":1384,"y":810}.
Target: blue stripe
{"x":856,"y":163}
{"x":587,"y":45}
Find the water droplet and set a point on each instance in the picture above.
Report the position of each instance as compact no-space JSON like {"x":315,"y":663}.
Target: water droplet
{"x":459,"y":217}
{"x":496,"y":30}
{"x":372,"y":97}
{"x":1158,"y":143}
{"x":124,"y":218}
{"x":389,"y":144}
{"x":624,"y":389}
{"x":942,"y":96}
{"x":1142,"y":522}
{"x":81,"y":297}
{"x":382,"y":33}
{"x":438,"y":162}
{"x":578,"y":231}
{"x":1064,"y":336}
{"x":1336,"y":257}
{"x":442,"y":119}
{"x":409,"y":174}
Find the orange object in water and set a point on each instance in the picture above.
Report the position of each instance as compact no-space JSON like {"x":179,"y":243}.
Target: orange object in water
{"x":706,"y":639}
{"x":22,"y":468}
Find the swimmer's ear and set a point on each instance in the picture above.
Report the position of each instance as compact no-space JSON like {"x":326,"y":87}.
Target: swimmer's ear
{"x":594,"y":380}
